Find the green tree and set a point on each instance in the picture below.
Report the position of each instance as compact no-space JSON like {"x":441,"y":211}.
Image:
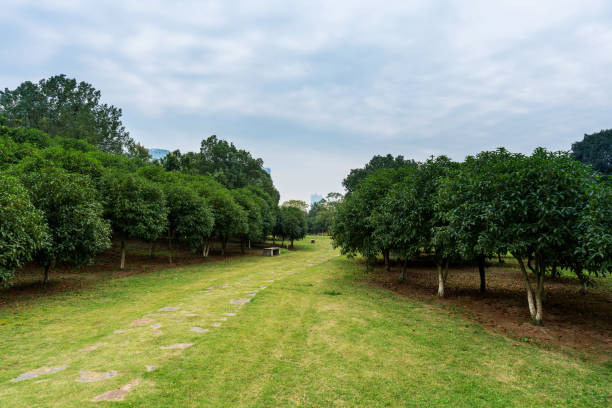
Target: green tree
{"x":23,"y":230}
{"x":299,"y":204}
{"x":293,"y":221}
{"x":595,"y":243}
{"x":62,"y":106}
{"x":465,"y":202}
{"x":536,"y":213}
{"x":135,"y":206}
{"x":255,"y":223}
{"x":72,"y":212}
{"x":190,"y":220}
{"x":595,"y":150}
{"x":376,"y":163}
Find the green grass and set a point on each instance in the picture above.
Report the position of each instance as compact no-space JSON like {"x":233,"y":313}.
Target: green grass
{"x":317,"y":337}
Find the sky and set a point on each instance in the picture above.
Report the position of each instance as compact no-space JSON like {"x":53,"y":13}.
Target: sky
{"x":316,"y":88}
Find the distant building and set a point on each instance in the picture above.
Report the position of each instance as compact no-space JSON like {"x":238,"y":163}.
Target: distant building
{"x":315,"y":198}
{"x":267,"y":170}
{"x":158,"y":153}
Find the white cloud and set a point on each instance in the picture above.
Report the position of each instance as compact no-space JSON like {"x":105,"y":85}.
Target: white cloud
{"x":423,"y":76}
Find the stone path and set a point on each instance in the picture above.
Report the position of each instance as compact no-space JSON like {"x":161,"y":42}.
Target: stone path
{"x":178,"y":316}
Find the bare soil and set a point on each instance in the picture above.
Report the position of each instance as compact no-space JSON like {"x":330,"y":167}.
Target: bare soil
{"x":579,"y":324}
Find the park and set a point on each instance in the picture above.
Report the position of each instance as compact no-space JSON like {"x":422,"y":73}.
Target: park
{"x":305,"y":204}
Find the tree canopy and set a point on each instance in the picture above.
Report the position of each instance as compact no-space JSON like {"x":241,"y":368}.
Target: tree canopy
{"x":62,"y":106}
{"x":23,"y":228}
{"x":595,"y":150}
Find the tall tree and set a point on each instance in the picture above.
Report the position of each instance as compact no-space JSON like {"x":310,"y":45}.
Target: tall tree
{"x":293,"y":222}
{"x":62,"y":106}
{"x":135,"y":206}
{"x":376,"y":163}
{"x":595,"y":150}
{"x":190,"y":219}
{"x":465,"y":202}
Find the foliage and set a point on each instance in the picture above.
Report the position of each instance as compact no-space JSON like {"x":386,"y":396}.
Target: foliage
{"x":62,"y":106}
{"x":190,"y":219}
{"x":596,"y":243}
{"x":293,"y":223}
{"x":321,"y":214}
{"x":299,"y":204}
{"x":135,"y":206}
{"x":72,"y":212}
{"x":595,"y":150}
{"x":23,"y":229}
{"x":376,"y":163}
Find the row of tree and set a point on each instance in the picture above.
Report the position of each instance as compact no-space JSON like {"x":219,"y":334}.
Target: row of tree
{"x":62,"y":199}
{"x":546,"y":209}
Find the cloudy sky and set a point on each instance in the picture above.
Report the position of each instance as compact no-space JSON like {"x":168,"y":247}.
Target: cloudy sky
{"x":316,"y":88}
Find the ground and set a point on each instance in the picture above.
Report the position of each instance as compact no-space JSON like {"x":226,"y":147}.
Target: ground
{"x":302,"y":329}
{"x":580,"y":325}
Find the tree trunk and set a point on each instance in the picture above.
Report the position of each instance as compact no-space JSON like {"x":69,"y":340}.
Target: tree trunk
{"x":387,"y":260}
{"x":223,"y":245}
{"x":152,"y":252}
{"x":205,"y":250}
{"x":122,"y":254}
{"x":499,"y":259}
{"x":583,"y":287}
{"x":539,"y":290}
{"x":291,"y":243}
{"x":530,"y":299}
{"x":481,"y":271}
{"x":242,"y":246}
{"x":46,"y":273}
{"x":402,"y":274}
{"x":169,"y":246}
{"x":249,"y":244}
{"x":442,"y":274}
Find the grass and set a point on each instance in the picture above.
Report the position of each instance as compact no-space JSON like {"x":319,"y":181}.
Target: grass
{"x":317,"y":336}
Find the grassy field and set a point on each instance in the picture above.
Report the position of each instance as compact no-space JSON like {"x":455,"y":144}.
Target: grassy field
{"x":312,"y":335}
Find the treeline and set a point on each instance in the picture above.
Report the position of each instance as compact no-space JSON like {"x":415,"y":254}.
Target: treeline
{"x":62,"y":199}
{"x":321,"y":214}
{"x":546,"y":209}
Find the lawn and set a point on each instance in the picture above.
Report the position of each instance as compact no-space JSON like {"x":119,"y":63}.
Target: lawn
{"x":314,"y":334}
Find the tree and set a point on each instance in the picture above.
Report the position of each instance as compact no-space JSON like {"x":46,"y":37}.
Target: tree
{"x":536,"y":213}
{"x":72,"y":212}
{"x":299,"y":204}
{"x":293,"y":221}
{"x":135,"y":206}
{"x":190,"y":219}
{"x":63,"y":106}
{"x":376,"y":163}
{"x":357,"y":224}
{"x":595,"y":150}
{"x":23,"y":230}
{"x":255,"y":224}
{"x":465,"y":204}
{"x":230,"y":218}
{"x":595,"y":246}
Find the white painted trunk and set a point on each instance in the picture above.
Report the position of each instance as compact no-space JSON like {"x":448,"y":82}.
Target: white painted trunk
{"x":530,"y":297}
{"x":440,"y":281}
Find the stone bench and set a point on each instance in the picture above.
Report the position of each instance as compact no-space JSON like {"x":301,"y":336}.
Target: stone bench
{"x":272,"y":251}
